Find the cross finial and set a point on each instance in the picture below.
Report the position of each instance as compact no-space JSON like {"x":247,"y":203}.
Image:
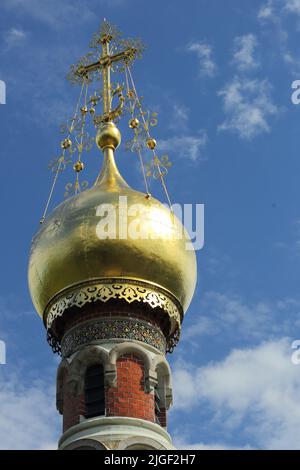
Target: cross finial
{"x":107,"y":40}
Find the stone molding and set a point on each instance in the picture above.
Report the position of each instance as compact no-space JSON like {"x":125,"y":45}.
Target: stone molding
{"x":118,"y":433}
{"x":104,"y":290}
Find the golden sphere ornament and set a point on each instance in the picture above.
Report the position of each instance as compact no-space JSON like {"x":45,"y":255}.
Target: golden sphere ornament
{"x":108,"y":136}
{"x":94,"y":99}
{"x":133,"y":123}
{"x":92,"y":110}
{"x":151,"y":143}
{"x":66,"y":143}
{"x":130,"y":94}
{"x":78,"y":166}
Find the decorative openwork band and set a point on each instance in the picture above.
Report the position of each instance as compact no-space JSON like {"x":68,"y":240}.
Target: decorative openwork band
{"x":104,"y":290}
{"x":112,"y":328}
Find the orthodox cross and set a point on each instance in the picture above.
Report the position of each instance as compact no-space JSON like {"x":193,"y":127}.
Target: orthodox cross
{"x":104,"y":64}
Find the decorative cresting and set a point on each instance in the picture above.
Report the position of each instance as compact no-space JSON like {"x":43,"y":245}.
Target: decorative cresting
{"x":112,"y":328}
{"x":104,"y":290}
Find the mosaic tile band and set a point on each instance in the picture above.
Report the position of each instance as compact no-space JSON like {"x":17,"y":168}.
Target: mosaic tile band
{"x":112,"y":328}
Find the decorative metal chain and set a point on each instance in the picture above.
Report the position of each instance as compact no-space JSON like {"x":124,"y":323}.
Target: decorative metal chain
{"x":61,"y":162}
{"x":133,"y":123}
{"x":160,"y":165}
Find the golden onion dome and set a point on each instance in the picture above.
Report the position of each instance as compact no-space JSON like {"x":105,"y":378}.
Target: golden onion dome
{"x":70,"y":249}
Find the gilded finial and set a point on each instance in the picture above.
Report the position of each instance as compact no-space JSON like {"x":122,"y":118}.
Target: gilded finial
{"x":78,"y":166}
{"x":109,"y":53}
{"x":108,"y":136}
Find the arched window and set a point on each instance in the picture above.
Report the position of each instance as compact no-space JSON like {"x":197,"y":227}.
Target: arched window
{"x":94,"y":391}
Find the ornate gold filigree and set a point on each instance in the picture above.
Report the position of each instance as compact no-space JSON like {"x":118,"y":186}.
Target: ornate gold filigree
{"x":158,"y":167}
{"x":76,"y":78}
{"x":79,"y":141}
{"x":124,"y":51}
{"x":113,"y":114}
{"x":141,"y":132}
{"x":130,"y":291}
{"x":74,"y":188}
{"x":59,"y":163}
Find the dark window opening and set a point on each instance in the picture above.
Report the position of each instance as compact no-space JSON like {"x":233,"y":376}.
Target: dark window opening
{"x":94,"y":391}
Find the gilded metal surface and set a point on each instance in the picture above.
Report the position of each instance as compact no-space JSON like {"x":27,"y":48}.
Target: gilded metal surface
{"x":108,"y":328}
{"x":74,"y":188}
{"x":108,"y":34}
{"x":67,"y":251}
{"x":151,"y":143}
{"x":108,"y":136}
{"x":78,"y":166}
{"x":130,"y":291}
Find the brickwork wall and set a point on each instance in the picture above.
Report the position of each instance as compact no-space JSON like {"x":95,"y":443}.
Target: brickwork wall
{"x":161,"y":417}
{"x":129,"y":398}
{"x":71,"y":410}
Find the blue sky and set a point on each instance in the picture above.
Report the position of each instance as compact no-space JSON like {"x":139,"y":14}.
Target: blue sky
{"x":219,"y":74}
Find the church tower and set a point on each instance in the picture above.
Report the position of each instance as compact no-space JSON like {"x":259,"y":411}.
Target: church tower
{"x":111,"y":275}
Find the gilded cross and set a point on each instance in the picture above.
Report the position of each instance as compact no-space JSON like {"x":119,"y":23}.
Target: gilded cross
{"x":104,"y":64}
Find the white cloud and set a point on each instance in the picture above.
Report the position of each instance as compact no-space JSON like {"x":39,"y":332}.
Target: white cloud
{"x":293,"y":6}
{"x":255,"y":389}
{"x":14,"y":37}
{"x":272,"y":9}
{"x":60,"y":14}
{"x":204,"y":52}
{"x":54,"y":13}
{"x":179,"y":117}
{"x":230,"y":316}
{"x":28,"y":416}
{"x":266,"y":11}
{"x":275,"y":13}
{"x":244,"y":50}
{"x":291,"y":60}
{"x":41,"y":78}
{"x":185,"y":445}
{"x":220,"y":264}
{"x":190,"y":147}
{"x":247,"y":104}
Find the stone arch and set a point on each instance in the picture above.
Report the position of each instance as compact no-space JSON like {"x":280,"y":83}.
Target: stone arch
{"x":86,"y":357}
{"x":86,"y":444}
{"x":140,"y":443}
{"x":137,"y":350}
{"x":164,"y":380}
{"x":62,"y":373}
